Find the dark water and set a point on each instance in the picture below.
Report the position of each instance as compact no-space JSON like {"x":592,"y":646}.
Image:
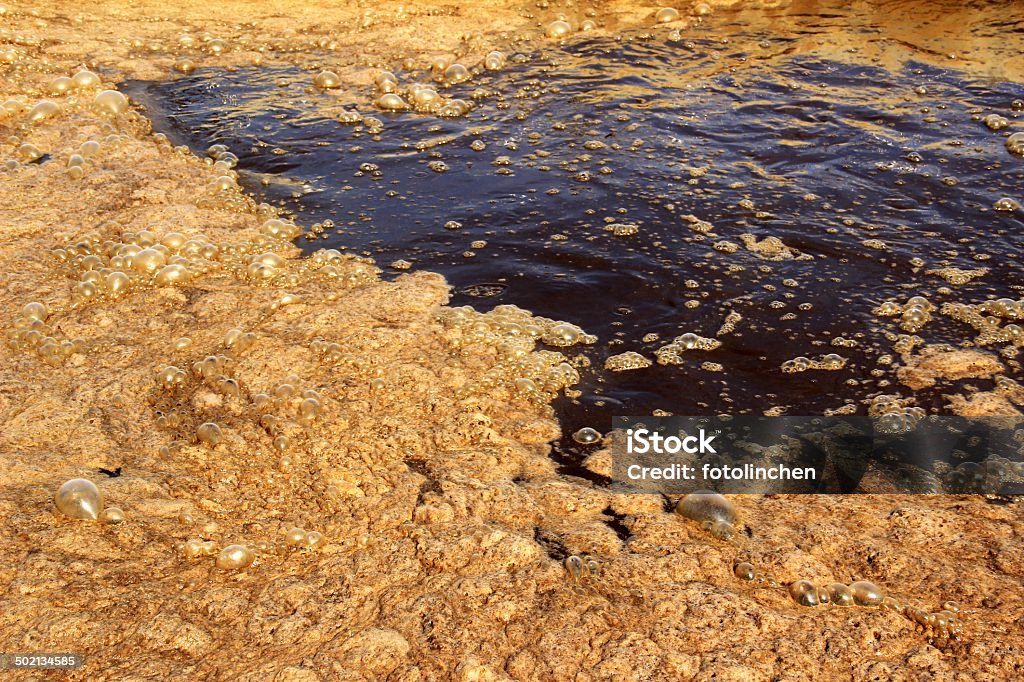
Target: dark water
{"x":830,"y":154}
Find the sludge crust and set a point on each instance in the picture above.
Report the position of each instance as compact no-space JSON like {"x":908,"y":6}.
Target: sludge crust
{"x":445,"y":546}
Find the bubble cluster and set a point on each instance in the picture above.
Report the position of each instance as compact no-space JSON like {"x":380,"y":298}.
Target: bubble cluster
{"x":623,"y":229}
{"x":625,"y":362}
{"x":914,"y":314}
{"x":672,"y":353}
{"x":996,"y":122}
{"x":31,"y":331}
{"x":581,"y":568}
{"x":772,"y":249}
{"x":942,"y":625}
{"x":514,"y":332}
{"x":830,"y":361}
{"x":958,"y":276}
{"x":996,"y":321}
{"x":300,"y":538}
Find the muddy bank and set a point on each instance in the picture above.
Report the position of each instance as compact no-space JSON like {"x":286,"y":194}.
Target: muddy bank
{"x":422,"y":461}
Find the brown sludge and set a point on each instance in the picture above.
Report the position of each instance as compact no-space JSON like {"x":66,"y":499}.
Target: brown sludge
{"x":385,"y":509}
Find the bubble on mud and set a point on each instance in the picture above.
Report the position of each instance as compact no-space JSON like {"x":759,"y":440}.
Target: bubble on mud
{"x":384,"y":79}
{"x":309,"y":409}
{"x":558,"y":29}
{"x":275,"y":227}
{"x":1006,"y":205}
{"x":439,"y":64}
{"x":110,"y":103}
{"x":494,"y":60}
{"x":192,"y":548}
{"x":804,"y":593}
{"x":28,"y":152}
{"x":172,"y":274}
{"x":702,"y":9}
{"x":185,"y":66}
{"x":866,"y":593}
{"x":666,"y":14}
{"x":744,"y":571}
{"x":587,"y":436}
{"x":35,"y":311}
{"x":217,"y":46}
{"x":170,"y":376}
{"x":327,"y":80}
{"x":79,"y":499}
{"x":235,"y":558}
{"x":148,"y":261}
{"x":707,"y":508}
{"x":574,"y":565}
{"x":391,"y":102}
{"x":209,"y":434}
{"x":85,"y":79}
{"x":840,"y":595}
{"x":314,"y":540}
{"x":42,"y":111}
{"x":295,"y":537}
{"x":89,"y":148}
{"x":425,"y":99}
{"x":116,"y":283}
{"x":112,"y":516}
{"x":456,"y":73}
{"x":60,"y":85}
{"x":588,"y":25}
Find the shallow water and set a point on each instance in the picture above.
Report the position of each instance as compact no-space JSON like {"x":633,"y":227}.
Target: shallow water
{"x":742,"y":127}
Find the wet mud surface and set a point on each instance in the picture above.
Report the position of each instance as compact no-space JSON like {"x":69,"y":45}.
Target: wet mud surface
{"x":321,"y":470}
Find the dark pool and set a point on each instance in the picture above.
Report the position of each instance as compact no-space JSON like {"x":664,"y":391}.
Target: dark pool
{"x":747,"y":134}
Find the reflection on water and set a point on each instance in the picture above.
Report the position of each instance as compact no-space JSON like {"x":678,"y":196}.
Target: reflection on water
{"x":863,"y":150}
